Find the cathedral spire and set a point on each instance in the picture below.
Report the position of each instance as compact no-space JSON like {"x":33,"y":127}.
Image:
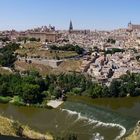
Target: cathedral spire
{"x":71,"y":26}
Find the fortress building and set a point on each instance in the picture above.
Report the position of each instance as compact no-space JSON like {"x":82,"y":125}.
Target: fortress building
{"x":43,"y":36}
{"x":133,"y":26}
{"x":44,"y":33}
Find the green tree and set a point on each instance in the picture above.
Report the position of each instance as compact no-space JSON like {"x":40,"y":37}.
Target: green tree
{"x":57,"y":92}
{"x":31,"y":94}
{"x":115,"y":88}
{"x":136,"y":92}
{"x":4,"y":90}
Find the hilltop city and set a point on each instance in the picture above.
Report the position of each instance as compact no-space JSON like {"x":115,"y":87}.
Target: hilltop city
{"x":106,"y":55}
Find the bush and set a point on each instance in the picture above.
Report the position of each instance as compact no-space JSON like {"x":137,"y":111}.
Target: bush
{"x":5,"y":99}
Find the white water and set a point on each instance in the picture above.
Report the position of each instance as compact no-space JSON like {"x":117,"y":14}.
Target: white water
{"x":98,"y":123}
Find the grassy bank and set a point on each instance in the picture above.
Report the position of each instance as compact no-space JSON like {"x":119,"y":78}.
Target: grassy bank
{"x":5,"y":99}
{"x":10,"y":127}
{"x":16,"y":100}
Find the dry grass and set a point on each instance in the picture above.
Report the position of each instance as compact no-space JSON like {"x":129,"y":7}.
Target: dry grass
{"x":70,"y":65}
{"x":65,"y":67}
{"x":32,"y":45}
{"x":6,"y":127}
{"x":28,"y":133}
{"x":45,"y":53}
{"x":135,"y":135}
{"x":23,"y":66}
{"x":34,"y":49}
{"x":4,"y":71}
{"x":11,"y":128}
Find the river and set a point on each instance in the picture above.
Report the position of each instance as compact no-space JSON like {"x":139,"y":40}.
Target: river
{"x":107,"y":119}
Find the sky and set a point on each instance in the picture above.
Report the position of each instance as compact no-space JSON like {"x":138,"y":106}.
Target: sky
{"x":85,"y":14}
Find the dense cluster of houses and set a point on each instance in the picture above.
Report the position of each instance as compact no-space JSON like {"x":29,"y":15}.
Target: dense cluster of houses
{"x":100,"y":66}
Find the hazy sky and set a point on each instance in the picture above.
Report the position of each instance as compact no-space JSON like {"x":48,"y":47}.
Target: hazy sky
{"x":85,"y":14}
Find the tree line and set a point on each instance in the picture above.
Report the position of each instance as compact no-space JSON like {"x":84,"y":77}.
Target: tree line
{"x":113,"y":51}
{"x":7,"y":56}
{"x":33,"y":89}
{"x":68,"y":47}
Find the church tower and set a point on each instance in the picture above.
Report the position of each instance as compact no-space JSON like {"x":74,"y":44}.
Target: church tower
{"x":71,"y":26}
{"x":130,"y":25}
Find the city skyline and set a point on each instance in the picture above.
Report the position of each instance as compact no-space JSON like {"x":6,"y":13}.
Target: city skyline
{"x":90,"y":14}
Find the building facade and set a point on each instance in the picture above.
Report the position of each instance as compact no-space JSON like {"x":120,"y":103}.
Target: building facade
{"x":133,"y":26}
{"x":43,"y":36}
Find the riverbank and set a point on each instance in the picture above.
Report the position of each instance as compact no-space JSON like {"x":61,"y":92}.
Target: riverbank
{"x":54,"y":103}
{"x":56,"y":121}
{"x":61,"y":123}
{"x":135,"y":135}
{"x":10,"y":127}
{"x":16,"y":100}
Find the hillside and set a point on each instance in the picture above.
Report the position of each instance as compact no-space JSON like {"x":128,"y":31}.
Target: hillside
{"x":12,"y":128}
{"x":65,"y":67}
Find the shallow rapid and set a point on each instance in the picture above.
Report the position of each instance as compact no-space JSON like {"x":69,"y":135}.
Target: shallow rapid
{"x":88,"y":122}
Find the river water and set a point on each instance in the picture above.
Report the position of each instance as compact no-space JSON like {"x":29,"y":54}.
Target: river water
{"x":107,"y":119}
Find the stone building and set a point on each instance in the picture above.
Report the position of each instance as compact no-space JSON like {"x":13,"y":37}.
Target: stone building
{"x":43,"y":36}
{"x":133,"y":26}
